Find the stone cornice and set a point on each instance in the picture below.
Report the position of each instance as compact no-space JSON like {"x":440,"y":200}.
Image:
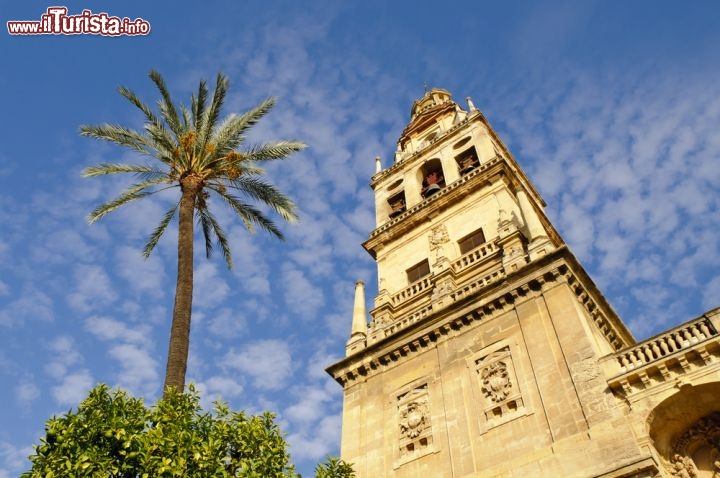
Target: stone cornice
{"x":467,"y":309}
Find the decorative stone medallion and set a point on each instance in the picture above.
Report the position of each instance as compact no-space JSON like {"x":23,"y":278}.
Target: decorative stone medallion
{"x":496,"y":384}
{"x":412,"y":419}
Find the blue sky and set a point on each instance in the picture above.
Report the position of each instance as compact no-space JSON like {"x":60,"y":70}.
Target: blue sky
{"x":612,"y":108}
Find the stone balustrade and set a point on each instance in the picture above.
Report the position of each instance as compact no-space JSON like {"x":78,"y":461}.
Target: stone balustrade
{"x":407,"y":320}
{"x":410,"y":304}
{"x":412,"y":291}
{"x":487,"y":250}
{"x":666,"y":356}
{"x":666,"y":344}
{"x":471,"y":287}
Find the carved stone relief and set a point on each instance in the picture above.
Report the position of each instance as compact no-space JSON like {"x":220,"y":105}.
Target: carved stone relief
{"x":413,"y":419}
{"x":442,"y":289}
{"x":379,"y":321}
{"x":696,"y":453}
{"x":414,"y":423}
{"x":507,"y":224}
{"x":437,"y":238}
{"x":498,"y":385}
{"x":683,"y":467}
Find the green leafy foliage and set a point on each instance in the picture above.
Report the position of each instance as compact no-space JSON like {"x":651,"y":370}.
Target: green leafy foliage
{"x":113,"y":435}
{"x":334,"y":468}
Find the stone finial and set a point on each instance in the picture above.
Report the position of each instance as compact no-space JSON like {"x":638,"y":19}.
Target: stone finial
{"x":378,"y":164}
{"x":359,"y":321}
{"x":471,"y":106}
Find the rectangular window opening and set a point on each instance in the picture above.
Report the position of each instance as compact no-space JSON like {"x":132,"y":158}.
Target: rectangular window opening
{"x":418,"y":271}
{"x":471,"y":241}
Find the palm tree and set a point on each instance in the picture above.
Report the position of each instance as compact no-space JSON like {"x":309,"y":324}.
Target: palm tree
{"x":196,"y":152}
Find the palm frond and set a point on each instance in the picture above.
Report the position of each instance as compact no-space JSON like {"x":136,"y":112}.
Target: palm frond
{"x":154,"y":127}
{"x":163,"y":141}
{"x":126,"y":137}
{"x":250,"y":169}
{"x":159,"y":231}
{"x":134,"y":192}
{"x":274,"y":150}
{"x":185,"y":117}
{"x":229,"y":134}
{"x":210,"y":117}
{"x":198,"y":104}
{"x":103,"y":169}
{"x":210,"y":226}
{"x":249,"y":214}
{"x":110,"y":206}
{"x":267,"y":194}
{"x":167,"y":107}
{"x":222,"y":240}
{"x":219,"y":169}
{"x":203,"y":213}
{"x":134,"y":99}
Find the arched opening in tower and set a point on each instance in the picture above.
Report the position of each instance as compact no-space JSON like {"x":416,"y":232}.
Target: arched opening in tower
{"x":433,"y":179}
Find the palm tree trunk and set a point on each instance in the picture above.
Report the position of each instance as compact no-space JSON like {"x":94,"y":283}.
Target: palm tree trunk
{"x":180,"y":330}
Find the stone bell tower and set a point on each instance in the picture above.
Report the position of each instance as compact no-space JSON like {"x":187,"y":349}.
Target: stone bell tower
{"x":489,"y":351}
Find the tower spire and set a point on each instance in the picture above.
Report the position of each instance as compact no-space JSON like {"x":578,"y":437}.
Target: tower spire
{"x":358,"y":332}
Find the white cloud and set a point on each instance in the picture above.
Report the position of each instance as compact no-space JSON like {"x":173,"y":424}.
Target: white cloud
{"x":339,"y":324}
{"x":73,"y":388}
{"x":107,"y":329}
{"x":209,"y":289}
{"x":139,"y":219}
{"x":142,"y":275}
{"x":132,"y":349}
{"x":26,"y":392}
{"x":61,"y":246}
{"x":711,"y":293}
{"x":4,"y":248}
{"x":267,"y":362}
{"x":250,"y":264}
{"x":310,"y":407}
{"x":139,"y":370}
{"x":93,"y":289}
{"x":64,"y":356}
{"x":302,"y":297}
{"x":628,"y":180}
{"x":14,"y":459}
{"x":145,"y":313}
{"x":228,"y":323}
{"x":316,"y":444}
{"x":320,"y":359}
{"x":222,"y":386}
{"x":31,"y":305}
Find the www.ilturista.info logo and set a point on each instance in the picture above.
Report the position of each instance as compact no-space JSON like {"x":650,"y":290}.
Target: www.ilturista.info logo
{"x":57,"y":22}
